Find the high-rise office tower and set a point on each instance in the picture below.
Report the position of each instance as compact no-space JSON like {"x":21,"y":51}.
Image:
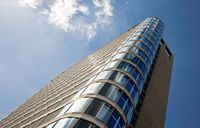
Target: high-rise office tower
{"x":124,"y":84}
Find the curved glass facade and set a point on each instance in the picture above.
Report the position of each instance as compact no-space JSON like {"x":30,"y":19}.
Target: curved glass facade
{"x":72,"y":122}
{"x":119,"y":83}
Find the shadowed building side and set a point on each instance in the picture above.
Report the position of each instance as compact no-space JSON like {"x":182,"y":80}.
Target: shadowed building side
{"x":153,"y":111}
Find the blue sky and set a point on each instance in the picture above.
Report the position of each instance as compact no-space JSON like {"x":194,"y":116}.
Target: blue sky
{"x":37,"y":42}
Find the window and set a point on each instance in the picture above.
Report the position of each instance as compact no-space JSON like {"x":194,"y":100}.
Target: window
{"x":106,"y":90}
{"x":94,"y":107}
{"x":119,"y":56}
{"x":115,"y":94}
{"x":143,"y":46}
{"x":104,"y":112}
{"x":136,"y":98}
{"x":134,"y":37}
{"x":66,"y":123}
{"x":133,"y":91}
{"x":99,"y":109}
{"x":80,"y":105}
{"x":142,"y":67}
{"x":130,"y":42}
{"x":122,"y":79}
{"x":93,"y":88}
{"x":120,"y":123}
{"x":111,"y":122}
{"x":51,"y":125}
{"x":110,"y":91}
{"x":84,"y":124}
{"x":119,"y":77}
{"x":104,"y":75}
{"x":127,"y":107}
{"x":112,"y":64}
{"x":122,"y":100}
{"x":140,"y":81}
{"x":129,"y":87}
{"x":130,"y":114}
{"x":143,"y":56}
{"x":129,"y":56}
{"x":115,"y":121}
{"x":124,"y":49}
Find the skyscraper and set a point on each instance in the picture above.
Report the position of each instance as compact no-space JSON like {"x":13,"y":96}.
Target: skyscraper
{"x":123,"y":84}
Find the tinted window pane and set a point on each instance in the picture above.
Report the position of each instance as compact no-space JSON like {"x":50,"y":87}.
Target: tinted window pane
{"x":121,"y":123}
{"x":105,"y":91}
{"x":111,"y":122}
{"x":66,"y":123}
{"x":94,"y":107}
{"x":104,"y":113}
{"x":122,"y":101}
{"x":84,"y":124}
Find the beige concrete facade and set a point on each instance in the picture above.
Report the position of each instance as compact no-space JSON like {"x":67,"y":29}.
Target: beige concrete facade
{"x":44,"y":105}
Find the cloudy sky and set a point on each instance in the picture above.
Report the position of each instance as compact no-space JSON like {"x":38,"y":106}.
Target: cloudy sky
{"x":41,"y":38}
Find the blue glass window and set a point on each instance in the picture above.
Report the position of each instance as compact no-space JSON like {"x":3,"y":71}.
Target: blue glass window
{"x":119,"y":77}
{"x":143,"y":46}
{"x":104,"y":113}
{"x":121,"y":123}
{"x":134,"y":60}
{"x":128,"y":56}
{"x":123,"y":80}
{"x":115,"y":121}
{"x":66,"y":122}
{"x":111,"y":92}
{"x":136,"y":98}
{"x":122,"y":101}
{"x":142,"y":67}
{"x":139,"y":80}
{"x":100,"y":109}
{"x":80,"y":105}
{"x":84,"y":124}
{"x":129,"y":86}
{"x":133,"y":92}
{"x":142,"y":55}
{"x":126,"y":109}
{"x":130,"y":114}
{"x":111,"y":122}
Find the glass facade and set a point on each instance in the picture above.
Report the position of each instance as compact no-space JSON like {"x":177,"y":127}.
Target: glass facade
{"x":119,"y":82}
{"x":72,"y":122}
{"x":102,"y":91}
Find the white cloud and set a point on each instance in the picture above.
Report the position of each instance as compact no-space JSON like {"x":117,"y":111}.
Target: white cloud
{"x":66,"y":14}
{"x":104,"y":10}
{"x":91,"y":31}
{"x":30,"y":3}
{"x":105,"y":5}
{"x":62,"y":11}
